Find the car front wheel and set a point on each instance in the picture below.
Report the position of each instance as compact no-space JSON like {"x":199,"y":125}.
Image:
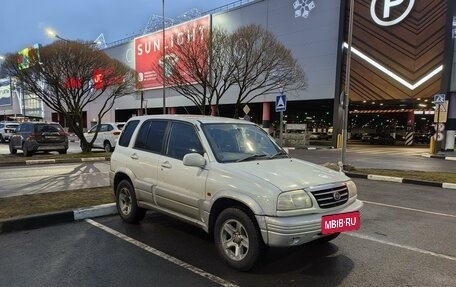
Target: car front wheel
{"x":237,"y":239}
{"x":12,"y":149}
{"x":126,"y":203}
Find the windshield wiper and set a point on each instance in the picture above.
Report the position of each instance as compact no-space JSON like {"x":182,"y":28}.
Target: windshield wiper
{"x":252,"y":156}
{"x":279,"y":154}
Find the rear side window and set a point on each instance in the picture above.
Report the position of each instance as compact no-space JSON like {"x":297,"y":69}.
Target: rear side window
{"x":127,"y":133}
{"x":150,"y":136}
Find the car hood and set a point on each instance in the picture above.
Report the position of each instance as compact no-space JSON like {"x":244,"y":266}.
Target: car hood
{"x":288,"y":174}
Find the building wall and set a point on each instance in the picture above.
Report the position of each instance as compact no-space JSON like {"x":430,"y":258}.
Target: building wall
{"x":410,"y":49}
{"x":312,"y":40}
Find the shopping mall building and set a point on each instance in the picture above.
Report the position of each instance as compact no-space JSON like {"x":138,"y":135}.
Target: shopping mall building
{"x":402,"y":56}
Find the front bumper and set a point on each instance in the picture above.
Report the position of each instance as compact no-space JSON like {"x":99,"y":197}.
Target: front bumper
{"x":297,"y":230}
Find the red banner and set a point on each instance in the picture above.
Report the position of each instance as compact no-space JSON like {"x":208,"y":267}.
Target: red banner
{"x":148,"y":50}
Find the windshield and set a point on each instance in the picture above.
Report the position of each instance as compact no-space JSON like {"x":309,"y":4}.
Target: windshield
{"x":241,"y":142}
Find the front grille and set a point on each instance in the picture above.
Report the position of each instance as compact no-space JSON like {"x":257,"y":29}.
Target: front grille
{"x":327,"y":197}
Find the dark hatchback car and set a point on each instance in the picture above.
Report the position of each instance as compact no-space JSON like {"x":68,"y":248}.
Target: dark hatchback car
{"x":382,"y":139}
{"x":31,"y":137}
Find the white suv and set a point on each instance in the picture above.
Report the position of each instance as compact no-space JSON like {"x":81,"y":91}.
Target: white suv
{"x":230,"y":178}
{"x":6,"y":130}
{"x":107,"y":136}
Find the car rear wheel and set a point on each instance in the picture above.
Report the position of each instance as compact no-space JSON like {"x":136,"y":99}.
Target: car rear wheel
{"x":107,"y":147}
{"x":126,"y":203}
{"x":63,"y":151}
{"x":25,"y":151}
{"x":237,"y":239}
{"x":2,"y":140}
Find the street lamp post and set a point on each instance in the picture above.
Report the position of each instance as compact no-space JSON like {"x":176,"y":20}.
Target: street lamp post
{"x":53,"y":34}
{"x":346,"y":97}
{"x":163,"y":57}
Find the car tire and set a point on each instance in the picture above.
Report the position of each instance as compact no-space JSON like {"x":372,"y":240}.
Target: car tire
{"x":107,"y":147}
{"x":63,"y":151}
{"x":326,"y":239}
{"x":2,"y":140}
{"x":12,"y":150}
{"x":126,"y":203}
{"x":237,"y":238}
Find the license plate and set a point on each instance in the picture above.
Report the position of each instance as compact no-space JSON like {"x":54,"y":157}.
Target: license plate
{"x":340,"y":222}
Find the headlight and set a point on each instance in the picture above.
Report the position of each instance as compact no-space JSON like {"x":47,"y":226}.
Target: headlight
{"x":352,"y":190}
{"x":296,"y":199}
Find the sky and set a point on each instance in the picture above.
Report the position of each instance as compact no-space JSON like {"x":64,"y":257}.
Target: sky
{"x":24,"y":23}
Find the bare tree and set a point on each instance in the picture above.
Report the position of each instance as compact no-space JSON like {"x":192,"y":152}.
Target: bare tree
{"x":262,"y":65}
{"x":68,"y":76}
{"x":198,"y":69}
{"x":250,"y":61}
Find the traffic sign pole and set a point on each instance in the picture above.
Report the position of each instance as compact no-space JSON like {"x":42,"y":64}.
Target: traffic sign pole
{"x":281,"y":129}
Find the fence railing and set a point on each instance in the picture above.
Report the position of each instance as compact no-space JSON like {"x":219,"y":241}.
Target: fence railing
{"x":212,"y":11}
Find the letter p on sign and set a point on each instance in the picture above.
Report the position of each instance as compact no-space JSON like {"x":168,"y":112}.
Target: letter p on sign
{"x":388,"y":5}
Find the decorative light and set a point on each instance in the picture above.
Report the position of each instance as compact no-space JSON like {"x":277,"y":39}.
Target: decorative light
{"x":392,"y":74}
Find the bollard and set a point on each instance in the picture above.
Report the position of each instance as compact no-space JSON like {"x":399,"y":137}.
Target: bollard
{"x":339,"y":141}
{"x":432,"y":145}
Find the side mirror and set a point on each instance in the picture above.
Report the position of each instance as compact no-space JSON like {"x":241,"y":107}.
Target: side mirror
{"x":194,"y":159}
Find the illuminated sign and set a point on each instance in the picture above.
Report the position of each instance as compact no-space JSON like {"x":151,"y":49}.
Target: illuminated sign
{"x":149,"y":55}
{"x":388,"y":6}
{"x":28,"y":57}
{"x":105,"y":78}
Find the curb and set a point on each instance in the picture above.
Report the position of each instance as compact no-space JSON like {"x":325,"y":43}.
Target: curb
{"x":444,"y":157}
{"x":445,"y":185}
{"x":46,"y":219}
{"x":54,"y":161}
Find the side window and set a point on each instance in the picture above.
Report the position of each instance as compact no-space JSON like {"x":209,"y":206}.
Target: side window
{"x":156,"y":135}
{"x":93,"y":129}
{"x":109,"y":128}
{"x":150,"y":136}
{"x":183,"y":140}
{"x":127,"y":133}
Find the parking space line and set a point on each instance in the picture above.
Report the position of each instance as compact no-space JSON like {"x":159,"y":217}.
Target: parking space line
{"x":163,"y":255}
{"x":422,"y":251}
{"x":409,"y":209}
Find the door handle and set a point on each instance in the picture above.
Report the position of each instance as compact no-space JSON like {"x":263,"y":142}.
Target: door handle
{"x":134,"y":156}
{"x":165,"y":164}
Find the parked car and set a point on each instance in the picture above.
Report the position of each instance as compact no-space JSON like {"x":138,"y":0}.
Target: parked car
{"x":6,"y":130}
{"x":319,"y":136}
{"x":366,"y":137}
{"x":31,"y":137}
{"x":384,"y":139}
{"x":107,"y":136}
{"x":422,"y":138}
{"x":228,"y":177}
